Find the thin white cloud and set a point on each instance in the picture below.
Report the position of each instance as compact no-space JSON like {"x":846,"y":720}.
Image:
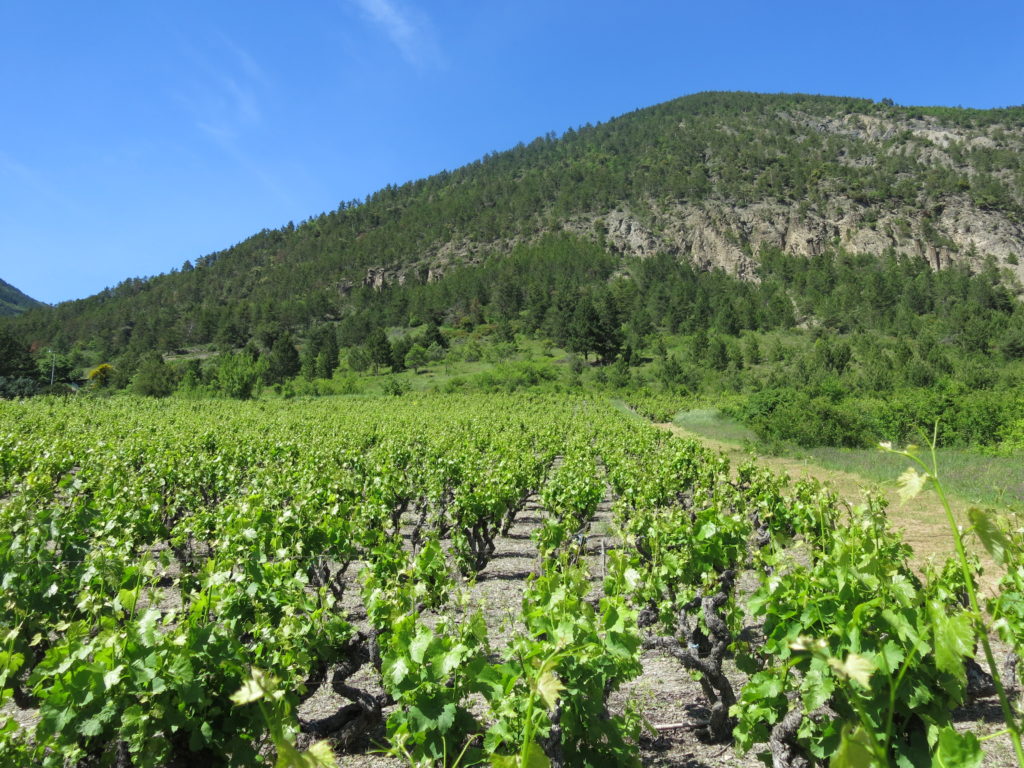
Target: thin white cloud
{"x":408,"y":29}
{"x":243,"y":99}
{"x":224,"y":94}
{"x":246,"y":62}
{"x":29,"y":178}
{"x":223,"y":100}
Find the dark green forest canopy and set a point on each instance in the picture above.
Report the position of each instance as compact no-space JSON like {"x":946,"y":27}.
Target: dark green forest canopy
{"x":13,"y":301}
{"x":733,"y":148}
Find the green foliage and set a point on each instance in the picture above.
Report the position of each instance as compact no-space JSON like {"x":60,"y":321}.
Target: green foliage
{"x":1005,"y":549}
{"x":654,"y":406}
{"x":153,"y":377}
{"x":19,"y":387}
{"x":239,"y":376}
{"x":432,"y":672}
{"x":323,"y":349}
{"x":789,"y":415}
{"x":379,"y":349}
{"x":514,"y":376}
{"x":396,"y":386}
{"x":283,"y":361}
{"x":415,"y":358}
{"x":570,"y":496}
{"x":885,"y":655}
{"x":15,"y":359}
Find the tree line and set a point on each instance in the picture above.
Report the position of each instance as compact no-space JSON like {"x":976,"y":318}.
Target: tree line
{"x":732,"y":147}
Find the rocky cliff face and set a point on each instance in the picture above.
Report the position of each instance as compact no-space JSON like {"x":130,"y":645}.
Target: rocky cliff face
{"x":716,"y":235}
{"x":720,"y":233}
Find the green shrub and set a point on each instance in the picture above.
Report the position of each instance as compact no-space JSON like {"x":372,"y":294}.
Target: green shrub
{"x":786,"y":415}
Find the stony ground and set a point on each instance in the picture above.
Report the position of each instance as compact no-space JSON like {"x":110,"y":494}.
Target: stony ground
{"x":666,"y":692}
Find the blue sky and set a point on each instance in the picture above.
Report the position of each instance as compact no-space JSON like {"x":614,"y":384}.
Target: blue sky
{"x":136,"y":135}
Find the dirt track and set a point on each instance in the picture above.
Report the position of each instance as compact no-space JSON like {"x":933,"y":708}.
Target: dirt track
{"x":922,"y":520}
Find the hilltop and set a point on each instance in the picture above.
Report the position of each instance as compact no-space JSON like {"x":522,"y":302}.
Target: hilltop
{"x":13,"y":301}
{"x":712,"y":178}
{"x":826,"y":271}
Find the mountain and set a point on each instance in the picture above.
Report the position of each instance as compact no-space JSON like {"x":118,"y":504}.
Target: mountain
{"x":14,"y":302}
{"x":714,"y":179}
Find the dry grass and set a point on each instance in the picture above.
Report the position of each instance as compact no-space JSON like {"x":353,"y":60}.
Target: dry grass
{"x":922,"y":520}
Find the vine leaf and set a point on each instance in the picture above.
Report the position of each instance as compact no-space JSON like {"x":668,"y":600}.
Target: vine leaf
{"x":253,"y":689}
{"x":111,"y":678}
{"x":958,"y":749}
{"x":954,"y":640}
{"x":854,"y":750}
{"x":910,"y":483}
{"x":991,"y":536}
{"x":855,"y":667}
{"x":550,"y":688}
{"x":319,"y":755}
{"x":534,"y":758}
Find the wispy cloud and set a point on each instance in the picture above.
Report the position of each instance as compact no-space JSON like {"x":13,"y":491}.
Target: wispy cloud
{"x":224,"y":102}
{"x":25,"y":177}
{"x":226,"y":98}
{"x":245,"y":61}
{"x":408,"y":29}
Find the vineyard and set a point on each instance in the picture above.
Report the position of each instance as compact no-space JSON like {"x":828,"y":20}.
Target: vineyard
{"x":471,"y":580}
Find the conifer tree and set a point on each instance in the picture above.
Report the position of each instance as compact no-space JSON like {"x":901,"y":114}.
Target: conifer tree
{"x":379,"y":347}
{"x":283,"y":361}
{"x":15,"y":359}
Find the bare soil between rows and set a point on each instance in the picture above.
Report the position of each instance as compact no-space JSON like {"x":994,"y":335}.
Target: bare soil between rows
{"x":666,"y":692}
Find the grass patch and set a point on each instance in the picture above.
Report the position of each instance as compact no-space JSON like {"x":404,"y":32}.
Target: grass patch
{"x":972,"y":477}
{"x":709,"y":422}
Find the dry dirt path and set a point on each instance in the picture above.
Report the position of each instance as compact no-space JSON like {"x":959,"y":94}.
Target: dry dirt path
{"x":922,"y":520}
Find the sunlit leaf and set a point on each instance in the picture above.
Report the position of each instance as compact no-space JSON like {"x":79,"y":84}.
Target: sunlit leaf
{"x":254,"y":689}
{"x":855,"y":667}
{"x":113,"y":676}
{"x":990,"y":534}
{"x":910,"y":483}
{"x":550,"y":688}
{"x":961,"y":750}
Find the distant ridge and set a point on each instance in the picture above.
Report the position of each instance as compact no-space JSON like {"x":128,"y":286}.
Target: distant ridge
{"x":716,"y":180}
{"x":13,"y":301}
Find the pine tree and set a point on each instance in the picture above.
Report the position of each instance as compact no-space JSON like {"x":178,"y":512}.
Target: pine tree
{"x":324,"y":348}
{"x":153,"y":378}
{"x":379,"y":347}
{"x":283,"y":361}
{"x":15,"y":359}
{"x":585,"y":328}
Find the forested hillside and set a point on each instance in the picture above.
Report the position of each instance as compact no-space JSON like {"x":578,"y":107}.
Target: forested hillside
{"x":13,"y":301}
{"x":712,"y":177}
{"x":828,"y":270}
